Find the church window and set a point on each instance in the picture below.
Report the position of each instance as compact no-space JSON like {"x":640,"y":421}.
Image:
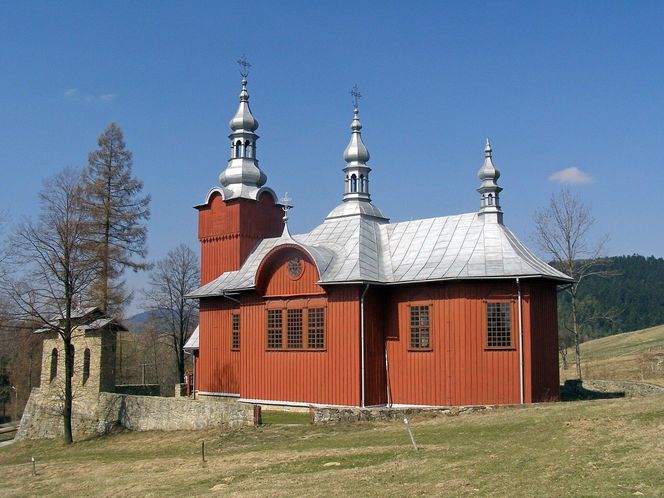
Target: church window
{"x":235,"y":332}
{"x":316,"y":328}
{"x":238,"y":149}
{"x":86,"y":365}
{"x":247,"y":149}
{"x":490,"y":200}
{"x":499,"y":325}
{"x":420,"y":328}
{"x":353,"y":183}
{"x":54,"y":363}
{"x":294,"y":329}
{"x":274,"y":329}
{"x":362,"y":188}
{"x":299,"y":328}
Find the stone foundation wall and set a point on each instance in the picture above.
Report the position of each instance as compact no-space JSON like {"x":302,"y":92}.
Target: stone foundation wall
{"x":331,"y":415}
{"x":91,"y":416}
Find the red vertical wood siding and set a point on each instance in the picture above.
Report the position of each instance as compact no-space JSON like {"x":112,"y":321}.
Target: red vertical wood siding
{"x":219,"y":367}
{"x":544,"y":342}
{"x":460,"y":369}
{"x":274,"y":280}
{"x":328,"y":377}
{"x":374,"y":336}
{"x":228,"y":231}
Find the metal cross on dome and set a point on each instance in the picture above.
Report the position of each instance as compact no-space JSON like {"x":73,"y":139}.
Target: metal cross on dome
{"x":244,"y":66}
{"x":355,"y":92}
{"x":286,"y":204}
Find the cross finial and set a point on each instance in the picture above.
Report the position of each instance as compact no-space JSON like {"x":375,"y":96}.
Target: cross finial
{"x":244,"y":66}
{"x":355,"y":92}
{"x":286,"y":204}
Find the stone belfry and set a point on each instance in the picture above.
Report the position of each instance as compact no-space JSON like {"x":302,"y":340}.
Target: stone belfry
{"x":242,"y":211}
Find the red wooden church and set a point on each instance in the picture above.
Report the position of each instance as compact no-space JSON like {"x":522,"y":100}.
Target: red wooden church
{"x":450,"y":310}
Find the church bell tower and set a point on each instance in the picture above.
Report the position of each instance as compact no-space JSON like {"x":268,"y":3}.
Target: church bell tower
{"x":242,"y":211}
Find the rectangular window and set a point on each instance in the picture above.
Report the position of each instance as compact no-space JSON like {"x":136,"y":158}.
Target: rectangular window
{"x":316,"y":328}
{"x":235,"y":331}
{"x":499,"y":325}
{"x":294,"y":329}
{"x":419,"y":327}
{"x":274,"y":329}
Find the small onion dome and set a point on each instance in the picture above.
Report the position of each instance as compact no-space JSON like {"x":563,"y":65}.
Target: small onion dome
{"x":356,"y":151}
{"x":243,"y":119}
{"x":488,"y":171}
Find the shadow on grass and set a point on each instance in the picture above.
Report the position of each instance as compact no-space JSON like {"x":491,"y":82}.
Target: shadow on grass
{"x":573,"y":390}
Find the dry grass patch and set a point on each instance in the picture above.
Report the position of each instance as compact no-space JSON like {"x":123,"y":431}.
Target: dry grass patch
{"x":632,"y":356}
{"x":597,"y":448}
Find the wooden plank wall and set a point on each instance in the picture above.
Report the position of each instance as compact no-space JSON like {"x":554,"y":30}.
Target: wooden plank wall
{"x":330,"y":376}
{"x":544,"y":337}
{"x":219,"y":367}
{"x":459,"y":370}
{"x":228,"y":231}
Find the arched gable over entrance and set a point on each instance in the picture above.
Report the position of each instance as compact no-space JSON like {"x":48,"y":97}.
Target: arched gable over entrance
{"x":288,"y":270}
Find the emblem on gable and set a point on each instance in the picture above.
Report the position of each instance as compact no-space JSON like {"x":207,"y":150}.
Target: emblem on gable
{"x":295,"y":266}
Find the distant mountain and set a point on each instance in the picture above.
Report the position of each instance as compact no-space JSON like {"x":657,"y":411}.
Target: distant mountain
{"x":135,"y":322}
{"x":631,"y":300}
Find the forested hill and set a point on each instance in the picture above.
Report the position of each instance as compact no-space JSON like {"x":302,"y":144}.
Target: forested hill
{"x":633,"y":299}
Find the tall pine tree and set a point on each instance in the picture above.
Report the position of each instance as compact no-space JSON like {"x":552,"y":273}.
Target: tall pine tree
{"x":117,"y":212}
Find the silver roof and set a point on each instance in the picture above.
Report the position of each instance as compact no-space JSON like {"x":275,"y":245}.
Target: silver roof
{"x":192,"y":342}
{"x":362,"y":248}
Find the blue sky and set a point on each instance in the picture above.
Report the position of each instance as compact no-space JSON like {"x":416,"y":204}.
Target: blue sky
{"x":556,"y":85}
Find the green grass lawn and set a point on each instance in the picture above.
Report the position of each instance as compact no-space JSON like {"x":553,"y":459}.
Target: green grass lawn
{"x":596,"y":448}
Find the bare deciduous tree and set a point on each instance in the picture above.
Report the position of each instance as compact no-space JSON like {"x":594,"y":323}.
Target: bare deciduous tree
{"x":54,"y":267}
{"x":562,"y":231}
{"x":117,"y":212}
{"x":170,"y":281}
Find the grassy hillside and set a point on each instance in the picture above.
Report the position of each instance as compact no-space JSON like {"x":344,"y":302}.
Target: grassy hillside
{"x":637,"y":356}
{"x":597,"y":448}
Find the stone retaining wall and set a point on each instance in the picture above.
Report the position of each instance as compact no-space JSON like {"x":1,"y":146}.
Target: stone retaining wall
{"x":325,"y":415}
{"x":42,"y":417}
{"x":630,"y":388}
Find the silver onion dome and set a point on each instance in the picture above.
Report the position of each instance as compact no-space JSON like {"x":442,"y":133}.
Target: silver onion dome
{"x":488,"y":172}
{"x":356,"y":151}
{"x":243,"y":119}
{"x":489,"y":190}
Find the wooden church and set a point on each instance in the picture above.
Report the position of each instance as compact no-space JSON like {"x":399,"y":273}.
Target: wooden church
{"x":449,"y":310}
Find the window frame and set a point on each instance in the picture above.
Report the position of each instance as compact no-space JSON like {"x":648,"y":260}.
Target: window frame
{"x":510,"y":308}
{"x":409,"y":325}
{"x":290,"y":308}
{"x":235,"y":331}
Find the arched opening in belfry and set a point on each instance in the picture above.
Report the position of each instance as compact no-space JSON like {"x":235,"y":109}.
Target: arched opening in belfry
{"x":490,"y":200}
{"x":238,"y":148}
{"x":86,"y":365}
{"x":54,"y":363}
{"x":362,"y":185}
{"x":247,"y":149}
{"x":353,"y":183}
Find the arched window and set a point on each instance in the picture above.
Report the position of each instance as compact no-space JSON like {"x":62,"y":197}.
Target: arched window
{"x":238,"y":149}
{"x":86,"y":365}
{"x":490,"y":200}
{"x":353,"y":183}
{"x":72,"y":356}
{"x":54,"y":363}
{"x":362,"y":183}
{"x":247,"y":149}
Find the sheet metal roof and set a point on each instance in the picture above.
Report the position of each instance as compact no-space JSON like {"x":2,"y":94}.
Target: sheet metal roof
{"x":362,"y":248}
{"x":192,"y":342}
